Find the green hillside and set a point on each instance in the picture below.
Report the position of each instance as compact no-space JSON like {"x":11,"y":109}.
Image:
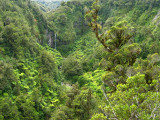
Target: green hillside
{"x":85,"y":60}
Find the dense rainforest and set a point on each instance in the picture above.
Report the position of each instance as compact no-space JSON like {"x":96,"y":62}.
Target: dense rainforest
{"x":85,"y":60}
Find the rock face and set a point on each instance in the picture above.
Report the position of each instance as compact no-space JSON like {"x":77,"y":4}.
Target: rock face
{"x":50,"y":41}
{"x":49,"y":37}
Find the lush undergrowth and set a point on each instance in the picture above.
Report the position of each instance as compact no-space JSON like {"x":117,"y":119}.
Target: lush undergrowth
{"x":109,"y":70}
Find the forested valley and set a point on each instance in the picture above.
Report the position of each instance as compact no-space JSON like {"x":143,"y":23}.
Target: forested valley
{"x":84,"y":60}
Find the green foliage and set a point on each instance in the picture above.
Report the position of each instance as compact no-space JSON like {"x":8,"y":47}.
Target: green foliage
{"x":98,"y":116}
{"x":68,"y":23}
{"x":47,"y":63}
{"x":129,"y":100}
{"x":92,"y":80}
{"x":8,"y":78}
{"x":8,"y":108}
{"x":119,"y":61}
{"x":79,"y":105}
{"x":26,"y":106}
{"x":114,"y":77}
{"x":28,"y":70}
{"x":71,"y":67}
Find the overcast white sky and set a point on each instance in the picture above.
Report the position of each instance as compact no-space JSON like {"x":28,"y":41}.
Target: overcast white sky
{"x":49,"y":0}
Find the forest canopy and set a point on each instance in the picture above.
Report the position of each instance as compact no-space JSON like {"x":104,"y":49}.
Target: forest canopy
{"x":84,"y":60}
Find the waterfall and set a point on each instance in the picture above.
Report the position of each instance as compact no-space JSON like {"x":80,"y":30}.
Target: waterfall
{"x":55,"y":40}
